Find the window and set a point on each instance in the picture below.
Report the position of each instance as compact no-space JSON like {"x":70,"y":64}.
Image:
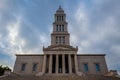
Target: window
{"x":85,"y":67}
{"x":97,"y":67}
{"x":57,"y":28}
{"x":23,"y":67}
{"x":34,"y":67}
{"x":60,"y":18}
{"x":62,"y":27}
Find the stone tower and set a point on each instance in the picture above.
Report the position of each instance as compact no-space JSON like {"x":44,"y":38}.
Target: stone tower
{"x":60,"y":35}
{"x":60,"y":57}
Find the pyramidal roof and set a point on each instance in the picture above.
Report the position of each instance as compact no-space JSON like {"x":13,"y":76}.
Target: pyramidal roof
{"x":60,"y":9}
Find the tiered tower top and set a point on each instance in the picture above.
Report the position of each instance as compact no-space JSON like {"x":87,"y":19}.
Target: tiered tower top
{"x":60,"y":35}
{"x":60,"y":38}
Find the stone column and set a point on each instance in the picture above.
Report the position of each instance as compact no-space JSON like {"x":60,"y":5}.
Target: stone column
{"x":76,"y":63}
{"x":50,"y":64}
{"x":44,"y":64}
{"x":63,"y":63}
{"x":70,"y":64}
{"x":57,"y":62}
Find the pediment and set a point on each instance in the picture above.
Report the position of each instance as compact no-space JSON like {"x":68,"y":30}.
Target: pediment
{"x":60,"y":47}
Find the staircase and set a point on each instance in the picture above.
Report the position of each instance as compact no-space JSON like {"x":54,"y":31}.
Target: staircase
{"x":58,"y":77}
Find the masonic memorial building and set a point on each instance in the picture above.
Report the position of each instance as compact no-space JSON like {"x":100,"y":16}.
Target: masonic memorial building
{"x":60,"y":57}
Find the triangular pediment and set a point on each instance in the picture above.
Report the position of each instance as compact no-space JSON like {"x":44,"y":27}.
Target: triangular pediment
{"x":60,"y":47}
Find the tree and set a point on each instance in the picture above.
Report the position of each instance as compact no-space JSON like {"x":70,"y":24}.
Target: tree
{"x":3,"y":69}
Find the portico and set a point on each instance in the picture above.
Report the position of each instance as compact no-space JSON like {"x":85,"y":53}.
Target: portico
{"x":60,"y":64}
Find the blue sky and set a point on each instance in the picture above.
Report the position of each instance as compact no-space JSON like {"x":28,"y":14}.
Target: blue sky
{"x":94,"y":25}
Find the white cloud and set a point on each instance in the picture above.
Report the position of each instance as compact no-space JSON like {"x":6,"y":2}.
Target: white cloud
{"x":13,"y":30}
{"x":12,"y":43}
{"x":97,"y":30}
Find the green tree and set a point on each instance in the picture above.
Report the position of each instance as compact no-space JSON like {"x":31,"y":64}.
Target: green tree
{"x":3,"y":69}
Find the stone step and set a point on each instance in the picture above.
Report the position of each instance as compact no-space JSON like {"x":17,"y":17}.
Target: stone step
{"x":58,"y":77}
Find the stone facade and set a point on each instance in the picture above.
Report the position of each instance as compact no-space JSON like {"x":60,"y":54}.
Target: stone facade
{"x":29,"y":61}
{"x":60,"y":57}
{"x":91,"y":60}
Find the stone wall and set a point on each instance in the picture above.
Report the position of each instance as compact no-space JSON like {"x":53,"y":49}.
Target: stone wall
{"x":91,"y":60}
{"x":29,"y":60}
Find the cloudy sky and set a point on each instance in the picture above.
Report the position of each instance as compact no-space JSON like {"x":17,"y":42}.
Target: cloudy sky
{"x":25,"y":27}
